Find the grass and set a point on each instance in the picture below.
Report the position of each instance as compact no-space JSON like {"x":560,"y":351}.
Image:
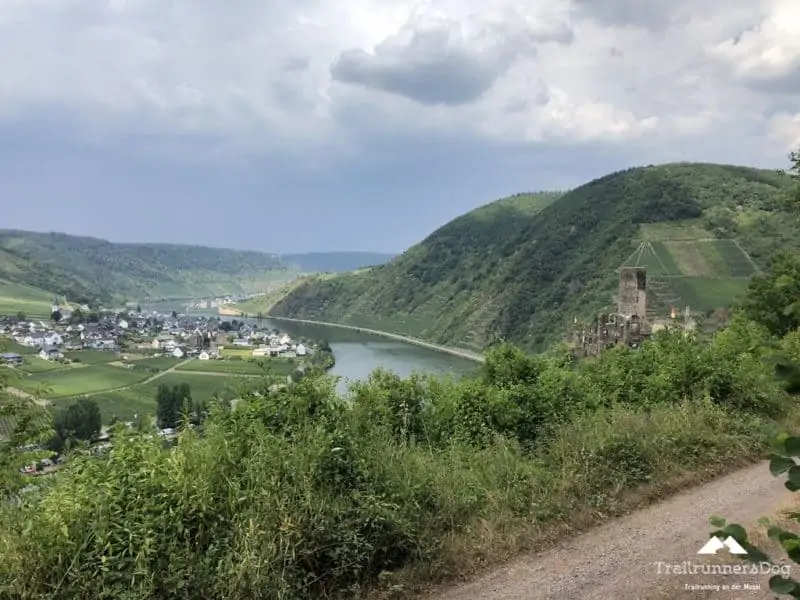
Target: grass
{"x":689,"y":229}
{"x":140,"y":399}
{"x":9,"y":345}
{"x":16,"y":297}
{"x":92,"y":357}
{"x":273,"y":366}
{"x":736,"y":261}
{"x":161,"y":363}
{"x":704,"y":293}
{"x":78,"y":381}
{"x":229,"y":351}
{"x":34,"y":364}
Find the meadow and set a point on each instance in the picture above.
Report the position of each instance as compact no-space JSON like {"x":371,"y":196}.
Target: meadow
{"x":91,"y":357}
{"x":139,"y":399}
{"x":258,"y":366}
{"x":17,"y":297}
{"x":80,"y":380}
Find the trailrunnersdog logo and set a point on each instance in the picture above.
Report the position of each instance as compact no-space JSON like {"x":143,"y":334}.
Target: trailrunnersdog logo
{"x":715,"y":544}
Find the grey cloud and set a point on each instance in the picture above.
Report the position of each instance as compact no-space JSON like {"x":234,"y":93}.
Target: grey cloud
{"x":434,"y":65}
{"x":638,"y":13}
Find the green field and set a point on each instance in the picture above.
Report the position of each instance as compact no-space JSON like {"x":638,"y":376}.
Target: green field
{"x":161,"y":363}
{"x":689,"y":229}
{"x":34,"y":364}
{"x":15,"y":297}
{"x":140,"y":399}
{"x":92,"y":357}
{"x":9,"y":345}
{"x":83,"y":380}
{"x":272,"y":366}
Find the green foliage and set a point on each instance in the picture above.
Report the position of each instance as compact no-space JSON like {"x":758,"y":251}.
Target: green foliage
{"x":520,"y":269}
{"x":773,"y":299}
{"x":300,"y":493}
{"x":78,"y":421}
{"x":172,"y":402}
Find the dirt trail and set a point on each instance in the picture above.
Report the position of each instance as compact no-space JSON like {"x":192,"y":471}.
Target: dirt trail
{"x":620,"y":560}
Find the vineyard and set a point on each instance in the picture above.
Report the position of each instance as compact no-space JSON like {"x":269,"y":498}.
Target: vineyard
{"x":703,"y":274}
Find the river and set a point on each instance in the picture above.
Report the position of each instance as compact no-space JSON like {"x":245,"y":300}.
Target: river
{"x":357,"y":353}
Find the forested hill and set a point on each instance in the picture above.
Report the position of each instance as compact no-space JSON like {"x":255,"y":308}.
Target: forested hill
{"x":97,"y":271}
{"x":523,"y":268}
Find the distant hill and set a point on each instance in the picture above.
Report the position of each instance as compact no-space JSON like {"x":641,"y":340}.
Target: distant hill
{"x":336,"y":262}
{"x":522,"y":268}
{"x":90,"y":270}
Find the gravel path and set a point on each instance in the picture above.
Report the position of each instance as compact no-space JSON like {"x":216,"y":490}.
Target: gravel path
{"x":619,"y":560}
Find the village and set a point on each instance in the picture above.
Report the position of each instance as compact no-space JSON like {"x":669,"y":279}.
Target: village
{"x":167,"y":335}
{"x":119,"y":359}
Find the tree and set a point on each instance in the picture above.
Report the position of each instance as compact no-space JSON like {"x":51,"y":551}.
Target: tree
{"x":167,"y":412}
{"x":76,"y":317}
{"x":21,"y":317}
{"x":170,"y":403}
{"x":174,"y":314}
{"x":79,"y":421}
{"x":773,"y":298}
{"x":55,"y":316}
{"x":139,"y":309}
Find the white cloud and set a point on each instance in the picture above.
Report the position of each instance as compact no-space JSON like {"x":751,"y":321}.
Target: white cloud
{"x":768,"y":51}
{"x":322,"y":74}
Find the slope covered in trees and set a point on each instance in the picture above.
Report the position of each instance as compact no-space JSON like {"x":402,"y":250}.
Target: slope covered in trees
{"x":97,"y":271}
{"x":522,"y":268}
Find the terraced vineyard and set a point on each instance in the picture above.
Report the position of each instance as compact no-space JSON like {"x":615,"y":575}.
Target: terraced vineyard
{"x":703,"y":273}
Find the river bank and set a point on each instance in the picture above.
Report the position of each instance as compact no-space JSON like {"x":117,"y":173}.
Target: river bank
{"x":393,"y":336}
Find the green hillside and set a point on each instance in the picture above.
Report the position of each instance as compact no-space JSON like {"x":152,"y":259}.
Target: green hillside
{"x":522,"y":268}
{"x":89,"y":270}
{"x":16,"y":297}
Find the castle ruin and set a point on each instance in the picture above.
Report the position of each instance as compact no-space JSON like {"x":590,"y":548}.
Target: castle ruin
{"x":628,"y":326}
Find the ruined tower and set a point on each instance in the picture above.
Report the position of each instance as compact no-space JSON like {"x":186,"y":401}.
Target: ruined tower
{"x":632,"y":295}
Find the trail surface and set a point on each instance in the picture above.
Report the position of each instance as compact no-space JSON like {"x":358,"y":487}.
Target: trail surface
{"x":394,"y":336}
{"x":620,"y":560}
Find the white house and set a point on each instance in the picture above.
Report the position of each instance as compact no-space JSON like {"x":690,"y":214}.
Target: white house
{"x":51,"y":354}
{"x":300,"y":350}
{"x":53,"y":339}
{"x":156,"y":344}
{"x":204,"y":355}
{"x":285,"y":340}
{"x":123,"y":324}
{"x":177,"y":353}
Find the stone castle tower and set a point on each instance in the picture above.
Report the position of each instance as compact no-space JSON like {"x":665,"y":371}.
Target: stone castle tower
{"x":632,"y":295}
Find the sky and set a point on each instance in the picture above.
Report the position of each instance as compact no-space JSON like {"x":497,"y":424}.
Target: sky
{"x":321,"y":125}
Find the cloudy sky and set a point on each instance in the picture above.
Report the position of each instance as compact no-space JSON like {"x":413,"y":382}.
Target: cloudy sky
{"x":365,"y":124}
